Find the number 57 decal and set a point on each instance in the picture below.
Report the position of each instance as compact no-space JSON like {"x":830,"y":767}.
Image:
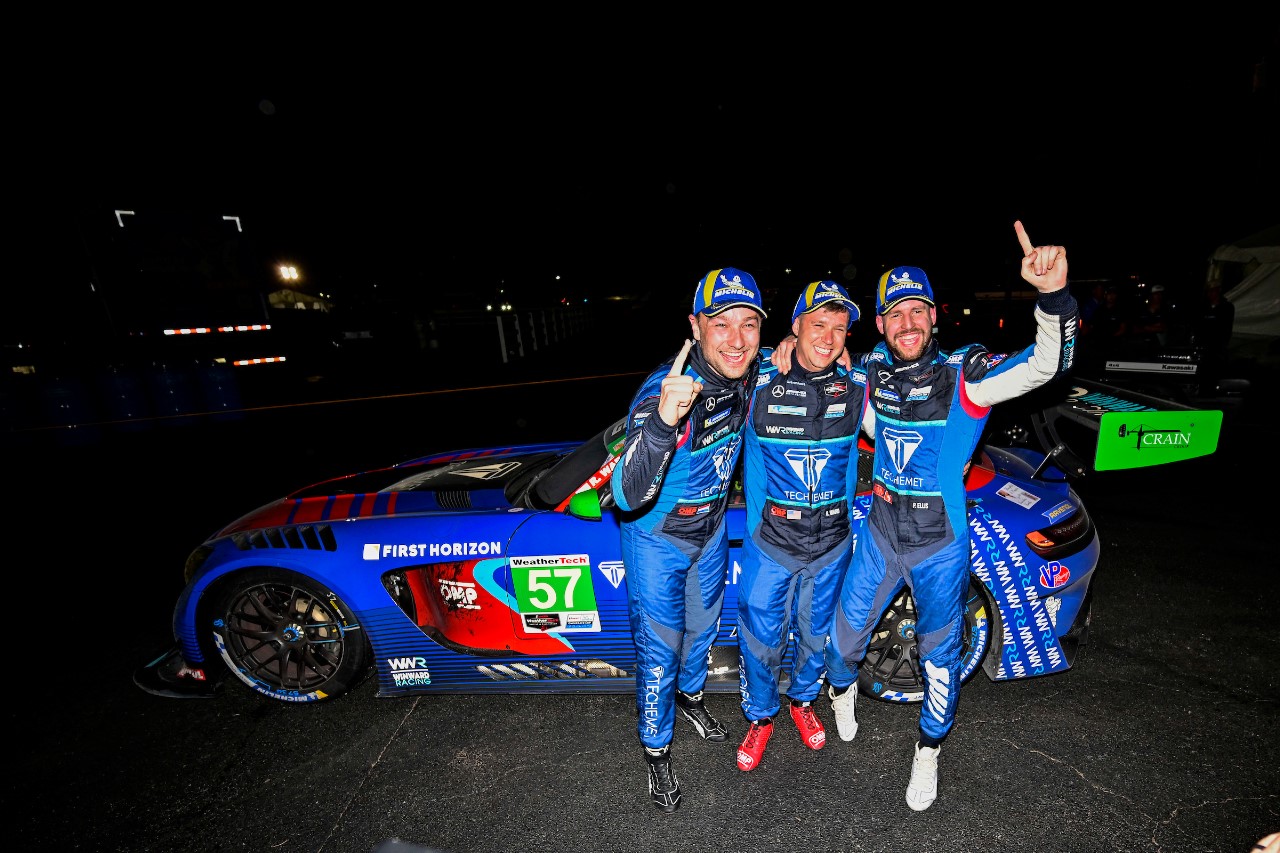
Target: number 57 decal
{"x":557,"y":585}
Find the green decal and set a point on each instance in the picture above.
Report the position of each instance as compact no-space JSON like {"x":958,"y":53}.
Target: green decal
{"x":553,"y":588}
{"x":1142,"y":439}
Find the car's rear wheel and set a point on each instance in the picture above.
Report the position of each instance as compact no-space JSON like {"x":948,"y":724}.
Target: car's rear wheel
{"x":891,"y":672}
{"x":289,"y":637}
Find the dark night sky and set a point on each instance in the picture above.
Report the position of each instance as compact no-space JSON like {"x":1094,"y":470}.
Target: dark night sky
{"x":644,"y":168}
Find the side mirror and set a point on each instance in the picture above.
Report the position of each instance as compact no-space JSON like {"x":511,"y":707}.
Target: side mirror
{"x":585,"y":505}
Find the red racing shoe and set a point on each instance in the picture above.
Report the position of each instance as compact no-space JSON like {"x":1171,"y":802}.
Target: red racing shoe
{"x":752,"y":749}
{"x":811,"y":730}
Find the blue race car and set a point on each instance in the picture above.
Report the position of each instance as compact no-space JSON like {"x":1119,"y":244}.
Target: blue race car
{"x":498,"y":570}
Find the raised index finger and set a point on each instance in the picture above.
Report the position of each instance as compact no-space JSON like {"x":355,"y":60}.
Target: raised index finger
{"x":1027,"y":245}
{"x":677,"y":367}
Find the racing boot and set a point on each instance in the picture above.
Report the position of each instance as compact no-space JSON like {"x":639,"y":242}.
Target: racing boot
{"x":693,"y":709}
{"x":844,"y":704}
{"x":752,"y":749}
{"x":811,"y":730}
{"x":664,"y":788}
{"x":922,"y":790}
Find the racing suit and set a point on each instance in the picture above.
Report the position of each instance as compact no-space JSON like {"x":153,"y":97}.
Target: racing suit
{"x":928,"y":417}
{"x":672,"y":485}
{"x":800,"y":460}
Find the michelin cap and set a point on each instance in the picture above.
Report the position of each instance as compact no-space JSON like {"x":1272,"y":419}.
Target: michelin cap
{"x":720,"y":290}
{"x":902,"y":283}
{"x":820,"y":293}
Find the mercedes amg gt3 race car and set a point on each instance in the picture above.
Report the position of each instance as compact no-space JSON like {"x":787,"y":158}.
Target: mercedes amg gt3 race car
{"x":498,"y":570}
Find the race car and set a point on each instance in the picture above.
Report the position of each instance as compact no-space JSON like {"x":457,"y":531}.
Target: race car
{"x":499,"y":569}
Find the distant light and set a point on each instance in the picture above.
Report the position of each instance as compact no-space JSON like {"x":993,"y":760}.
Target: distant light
{"x":967,"y":312}
{"x":488,"y":307}
{"x":245,"y":362}
{"x":288,"y":272}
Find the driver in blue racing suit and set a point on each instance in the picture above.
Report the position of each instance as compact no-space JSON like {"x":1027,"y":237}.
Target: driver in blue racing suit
{"x":800,"y":465}
{"x":672,"y":484}
{"x":928,"y":407}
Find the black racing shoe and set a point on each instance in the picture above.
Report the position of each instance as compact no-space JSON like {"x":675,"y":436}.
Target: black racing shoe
{"x":664,"y":788}
{"x":693,"y":709}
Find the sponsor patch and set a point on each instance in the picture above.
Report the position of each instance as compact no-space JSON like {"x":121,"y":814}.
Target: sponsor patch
{"x":1018,"y":495}
{"x":1054,"y":575}
{"x":1058,"y":511}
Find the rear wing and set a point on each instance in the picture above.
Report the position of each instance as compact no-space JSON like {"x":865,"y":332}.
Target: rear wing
{"x":1126,"y":429}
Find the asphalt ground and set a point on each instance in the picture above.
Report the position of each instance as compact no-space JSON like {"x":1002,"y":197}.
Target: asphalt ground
{"x":1163,"y":736}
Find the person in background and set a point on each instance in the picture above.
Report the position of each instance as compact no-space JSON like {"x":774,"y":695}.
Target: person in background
{"x":1151,"y":323}
{"x":927,"y":407}
{"x":1109,"y":320}
{"x":800,"y":470}
{"x":672,"y":484}
{"x":1212,"y":325}
{"x":1097,"y":297}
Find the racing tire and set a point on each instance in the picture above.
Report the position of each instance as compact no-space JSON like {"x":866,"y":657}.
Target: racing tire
{"x":289,"y":637}
{"x":891,"y":670}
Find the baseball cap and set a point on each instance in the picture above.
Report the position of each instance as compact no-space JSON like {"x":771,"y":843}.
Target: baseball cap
{"x":820,"y":293}
{"x":720,"y":290}
{"x":902,"y":283}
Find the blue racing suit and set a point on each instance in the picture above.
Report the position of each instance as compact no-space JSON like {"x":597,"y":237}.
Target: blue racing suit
{"x":672,"y":485}
{"x":800,"y":461}
{"x":928,"y":417}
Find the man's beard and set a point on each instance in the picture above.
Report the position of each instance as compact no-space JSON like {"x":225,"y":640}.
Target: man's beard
{"x":925,"y":337}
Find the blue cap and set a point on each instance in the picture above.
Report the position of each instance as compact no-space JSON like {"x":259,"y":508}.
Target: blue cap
{"x":902,"y":283}
{"x":720,"y":290}
{"x":820,"y":293}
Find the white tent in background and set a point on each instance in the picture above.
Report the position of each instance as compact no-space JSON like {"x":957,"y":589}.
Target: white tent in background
{"x":1249,"y":270}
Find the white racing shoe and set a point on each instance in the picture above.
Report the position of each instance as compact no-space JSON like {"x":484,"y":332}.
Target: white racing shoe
{"x":922,"y":790}
{"x":845,"y":707}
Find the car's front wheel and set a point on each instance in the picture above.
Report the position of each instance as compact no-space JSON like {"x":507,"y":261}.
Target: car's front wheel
{"x":891,"y":672}
{"x":289,"y":637}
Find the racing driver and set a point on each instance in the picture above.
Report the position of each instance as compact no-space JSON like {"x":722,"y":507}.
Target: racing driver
{"x":929,"y":407}
{"x":800,"y":461}
{"x":672,"y":484}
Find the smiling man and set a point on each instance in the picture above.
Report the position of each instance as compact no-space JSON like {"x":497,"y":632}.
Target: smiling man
{"x":928,"y":407}
{"x":800,"y":472}
{"x":684,"y":436}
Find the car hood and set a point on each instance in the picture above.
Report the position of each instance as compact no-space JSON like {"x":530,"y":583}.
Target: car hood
{"x":433,"y":485}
